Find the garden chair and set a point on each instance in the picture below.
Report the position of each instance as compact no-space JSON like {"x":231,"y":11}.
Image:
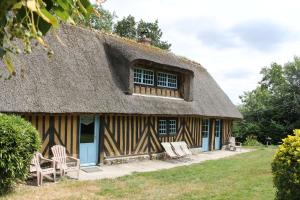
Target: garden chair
{"x":178,"y":150}
{"x":233,"y":145}
{"x":185,"y":148}
{"x":35,"y":167}
{"x":63,"y":162}
{"x":168,"y":148}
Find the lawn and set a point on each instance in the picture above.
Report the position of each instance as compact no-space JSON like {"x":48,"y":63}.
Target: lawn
{"x":244,"y":176}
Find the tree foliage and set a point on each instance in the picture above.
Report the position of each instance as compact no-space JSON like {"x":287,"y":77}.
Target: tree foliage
{"x":103,"y":22}
{"x":32,"y":19}
{"x":273,"y":108}
{"x":152,"y":31}
{"x":128,"y":27}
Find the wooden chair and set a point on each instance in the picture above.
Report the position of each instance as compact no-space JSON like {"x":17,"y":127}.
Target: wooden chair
{"x":168,"y":148}
{"x":178,"y":150}
{"x":35,"y":167}
{"x":185,"y":148}
{"x":63,"y":162}
{"x":233,"y":145}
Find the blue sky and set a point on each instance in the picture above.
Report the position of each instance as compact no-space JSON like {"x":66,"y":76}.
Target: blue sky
{"x":232,"y":39}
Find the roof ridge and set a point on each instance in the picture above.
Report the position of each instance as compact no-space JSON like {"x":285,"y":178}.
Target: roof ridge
{"x":132,"y":41}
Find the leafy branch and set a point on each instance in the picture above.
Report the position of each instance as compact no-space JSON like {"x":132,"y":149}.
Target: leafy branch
{"x":28,"y":20}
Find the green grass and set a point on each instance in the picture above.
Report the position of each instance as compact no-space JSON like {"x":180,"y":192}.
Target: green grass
{"x":245,"y":176}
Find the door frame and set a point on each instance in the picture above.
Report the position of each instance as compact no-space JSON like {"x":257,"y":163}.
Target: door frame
{"x":97,"y":129}
{"x":220,"y":133}
{"x":208,"y":134}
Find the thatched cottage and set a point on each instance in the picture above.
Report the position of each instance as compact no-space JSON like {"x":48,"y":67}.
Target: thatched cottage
{"x":105,"y":97}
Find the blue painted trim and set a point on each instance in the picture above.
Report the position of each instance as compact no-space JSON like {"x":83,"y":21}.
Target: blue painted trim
{"x":96,"y":140}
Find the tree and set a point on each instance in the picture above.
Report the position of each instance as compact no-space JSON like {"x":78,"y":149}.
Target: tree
{"x":127,"y":27}
{"x":152,"y":31}
{"x":104,"y":22}
{"x":29,"y":20}
{"x":273,"y":108}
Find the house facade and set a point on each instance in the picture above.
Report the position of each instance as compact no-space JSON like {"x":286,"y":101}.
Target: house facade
{"x":106,"y":97}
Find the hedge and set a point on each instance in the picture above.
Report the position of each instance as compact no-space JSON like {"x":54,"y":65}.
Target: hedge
{"x":18,"y":142}
{"x":286,"y":168}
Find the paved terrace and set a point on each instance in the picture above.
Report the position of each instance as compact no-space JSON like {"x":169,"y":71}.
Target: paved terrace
{"x":118,"y":170}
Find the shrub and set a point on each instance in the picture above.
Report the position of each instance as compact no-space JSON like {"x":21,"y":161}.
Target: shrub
{"x":251,"y":140}
{"x":18,"y":141}
{"x":286,"y":168}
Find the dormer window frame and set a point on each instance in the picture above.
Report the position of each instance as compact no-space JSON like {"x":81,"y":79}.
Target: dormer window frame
{"x":167,"y":80}
{"x":142,"y":78}
{"x":139,"y":74}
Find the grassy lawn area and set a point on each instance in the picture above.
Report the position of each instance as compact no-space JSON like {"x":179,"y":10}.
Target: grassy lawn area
{"x":245,"y":176}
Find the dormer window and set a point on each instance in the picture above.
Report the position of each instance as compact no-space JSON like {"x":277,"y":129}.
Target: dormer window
{"x":143,"y":76}
{"x":166,"y":80}
{"x":147,"y":78}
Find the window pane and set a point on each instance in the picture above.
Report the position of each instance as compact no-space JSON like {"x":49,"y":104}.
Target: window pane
{"x":166,"y":80}
{"x":205,"y":127}
{"x":148,"y":77}
{"x":143,"y":76}
{"x":162,"y":127}
{"x":172,"y":81}
{"x":87,"y":125}
{"x":172,"y":127}
{"x":162,"y":79}
{"x":138,"y":75}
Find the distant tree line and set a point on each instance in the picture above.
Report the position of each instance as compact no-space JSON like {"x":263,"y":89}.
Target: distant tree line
{"x":127,"y":27}
{"x":272,"y":110}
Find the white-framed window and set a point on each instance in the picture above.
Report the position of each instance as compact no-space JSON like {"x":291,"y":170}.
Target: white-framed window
{"x":167,"y":126}
{"x":143,"y":76}
{"x":205,"y":128}
{"x":162,"y":127}
{"x":172,"y":127}
{"x":218,"y":128}
{"x":166,"y":80}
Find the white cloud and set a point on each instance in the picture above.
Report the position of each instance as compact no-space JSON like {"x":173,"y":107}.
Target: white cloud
{"x":232,"y":39}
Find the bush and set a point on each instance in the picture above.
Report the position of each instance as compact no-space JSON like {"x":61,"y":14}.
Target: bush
{"x":251,"y":140}
{"x":286,"y":168}
{"x":18,"y":141}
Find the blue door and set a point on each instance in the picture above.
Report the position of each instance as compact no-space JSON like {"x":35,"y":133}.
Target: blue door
{"x":205,"y":135}
{"x":89,"y":140}
{"x":218,"y":134}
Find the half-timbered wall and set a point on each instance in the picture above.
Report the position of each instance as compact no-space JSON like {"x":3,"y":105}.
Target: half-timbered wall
{"x":122,"y":135}
{"x":56,"y":129}
{"x":133,"y":135}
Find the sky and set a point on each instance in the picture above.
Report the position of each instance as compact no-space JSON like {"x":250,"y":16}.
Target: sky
{"x":232,"y":39}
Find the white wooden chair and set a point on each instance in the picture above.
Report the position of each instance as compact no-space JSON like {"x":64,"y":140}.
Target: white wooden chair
{"x":168,"y":148}
{"x":233,"y":145}
{"x":178,"y":150}
{"x":63,"y":162}
{"x":185,"y":148}
{"x":35,"y":167}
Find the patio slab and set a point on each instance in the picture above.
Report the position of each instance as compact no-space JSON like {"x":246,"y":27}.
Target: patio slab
{"x":114,"y":171}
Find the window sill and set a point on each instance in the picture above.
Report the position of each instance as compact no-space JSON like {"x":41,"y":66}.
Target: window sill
{"x":155,"y":96}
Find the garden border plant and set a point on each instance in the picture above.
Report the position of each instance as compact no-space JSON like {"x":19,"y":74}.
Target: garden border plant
{"x":19,"y":140}
{"x":286,"y":168}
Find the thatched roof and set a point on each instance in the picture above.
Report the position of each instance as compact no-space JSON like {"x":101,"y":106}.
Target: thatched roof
{"x":81,"y":77}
